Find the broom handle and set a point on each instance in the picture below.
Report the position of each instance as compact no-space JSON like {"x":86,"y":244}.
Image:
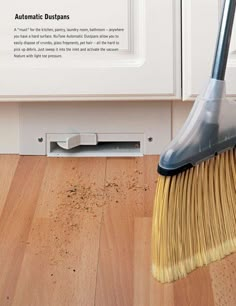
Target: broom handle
{"x":223,"y":42}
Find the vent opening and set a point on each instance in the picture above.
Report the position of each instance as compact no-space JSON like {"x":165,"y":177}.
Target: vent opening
{"x":103,"y":147}
{"x":131,"y":148}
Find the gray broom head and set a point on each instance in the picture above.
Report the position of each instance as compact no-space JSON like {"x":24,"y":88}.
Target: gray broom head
{"x":209,"y":130}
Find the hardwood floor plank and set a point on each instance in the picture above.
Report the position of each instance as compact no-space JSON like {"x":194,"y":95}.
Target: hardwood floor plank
{"x":16,"y":220}
{"x":62,"y":251}
{"x":195,"y":289}
{"x":150,"y":181}
{"x":223,"y":274}
{"x":8,"y":164}
{"x":124,"y":201}
{"x":142,"y":268}
{"x":147,"y":291}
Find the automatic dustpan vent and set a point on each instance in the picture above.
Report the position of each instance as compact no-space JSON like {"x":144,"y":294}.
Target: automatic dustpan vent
{"x":94,"y":145}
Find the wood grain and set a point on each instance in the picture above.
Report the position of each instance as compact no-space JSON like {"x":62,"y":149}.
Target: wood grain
{"x":8,"y":164}
{"x":150,"y":181}
{"x":125,"y":200}
{"x":147,"y":291}
{"x":78,"y":232}
{"x":223,"y":275}
{"x":15,"y":222}
{"x":194,"y":290}
{"x":62,"y":250}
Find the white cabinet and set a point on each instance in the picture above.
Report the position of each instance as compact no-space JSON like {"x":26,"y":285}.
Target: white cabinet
{"x":96,"y":50}
{"x":200,"y":27}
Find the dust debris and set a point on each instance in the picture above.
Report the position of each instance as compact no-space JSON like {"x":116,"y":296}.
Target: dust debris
{"x":76,"y":200}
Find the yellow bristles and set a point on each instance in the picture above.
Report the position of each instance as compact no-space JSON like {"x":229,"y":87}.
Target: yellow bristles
{"x":194,"y":218}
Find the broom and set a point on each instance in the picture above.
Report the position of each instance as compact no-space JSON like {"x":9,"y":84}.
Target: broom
{"x":194,"y":218}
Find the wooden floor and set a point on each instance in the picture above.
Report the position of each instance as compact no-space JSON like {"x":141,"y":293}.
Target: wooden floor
{"x":77,"y":232}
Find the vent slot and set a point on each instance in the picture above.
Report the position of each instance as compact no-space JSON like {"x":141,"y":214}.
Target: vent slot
{"x":107,"y":145}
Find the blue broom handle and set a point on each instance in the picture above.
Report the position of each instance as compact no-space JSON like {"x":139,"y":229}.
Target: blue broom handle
{"x":223,"y":41}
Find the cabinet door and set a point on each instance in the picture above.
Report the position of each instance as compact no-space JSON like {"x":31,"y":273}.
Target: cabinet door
{"x":74,"y":49}
{"x":200,"y":28}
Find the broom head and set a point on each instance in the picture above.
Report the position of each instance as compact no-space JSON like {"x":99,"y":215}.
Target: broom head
{"x":194,"y":218}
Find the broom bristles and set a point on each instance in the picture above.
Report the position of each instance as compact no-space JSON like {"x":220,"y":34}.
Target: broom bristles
{"x":194,"y":218}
